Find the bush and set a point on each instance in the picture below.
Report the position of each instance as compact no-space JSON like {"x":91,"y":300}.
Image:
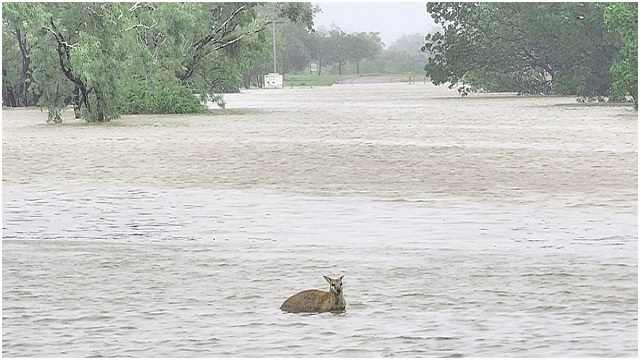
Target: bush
{"x":157,"y":97}
{"x":490,"y":81}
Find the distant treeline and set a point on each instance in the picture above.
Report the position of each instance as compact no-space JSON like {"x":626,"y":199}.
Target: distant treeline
{"x":334,"y":51}
{"x":113,"y":58}
{"x":586,"y":49}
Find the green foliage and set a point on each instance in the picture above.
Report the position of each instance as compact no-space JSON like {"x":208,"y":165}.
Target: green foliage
{"x":11,"y":69}
{"x":76,"y":46}
{"x":491,"y":81}
{"x":46,"y":71}
{"x":110,"y":58}
{"x":622,"y":19}
{"x":295,"y":49}
{"x":157,"y":96}
{"x":324,"y":48}
{"x":401,"y":56}
{"x":17,"y":64}
{"x":529,"y":47}
{"x":360,"y":46}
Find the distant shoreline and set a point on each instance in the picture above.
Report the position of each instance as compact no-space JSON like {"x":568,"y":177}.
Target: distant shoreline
{"x":379,"y":78}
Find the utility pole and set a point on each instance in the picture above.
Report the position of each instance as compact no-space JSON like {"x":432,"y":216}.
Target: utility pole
{"x":274,"y":80}
{"x":273,"y":24}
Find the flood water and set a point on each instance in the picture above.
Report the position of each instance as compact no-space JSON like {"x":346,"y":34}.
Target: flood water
{"x":492,"y":225}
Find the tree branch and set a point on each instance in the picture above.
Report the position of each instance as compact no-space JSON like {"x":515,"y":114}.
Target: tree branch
{"x":216,"y":36}
{"x":64,"y":58}
{"x":136,"y":26}
{"x":238,"y":38}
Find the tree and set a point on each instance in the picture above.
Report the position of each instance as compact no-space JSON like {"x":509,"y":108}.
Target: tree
{"x":323,"y":49}
{"x":293,"y":46}
{"x":622,"y":19}
{"x":360,"y":46}
{"x":196,"y":40}
{"x":404,"y":55}
{"x":297,"y":46}
{"x":108,"y":58}
{"x":87,"y":41}
{"x":526,"y":47}
{"x":52,"y":87}
{"x":16,"y":50}
{"x":338,"y":41}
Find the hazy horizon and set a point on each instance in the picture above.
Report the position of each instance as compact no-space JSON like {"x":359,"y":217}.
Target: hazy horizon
{"x":390,"y":19}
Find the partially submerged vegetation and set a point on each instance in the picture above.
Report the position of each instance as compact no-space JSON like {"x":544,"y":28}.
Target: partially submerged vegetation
{"x":110,"y":58}
{"x":106,"y":59}
{"x":586,"y":49}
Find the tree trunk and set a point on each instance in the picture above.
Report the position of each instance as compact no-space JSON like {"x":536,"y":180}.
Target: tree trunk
{"x":25,"y":76}
{"x":99,"y":108}
{"x":246,"y":80}
{"x":319,"y":67}
{"x":8,"y":99}
{"x":547,"y":75}
{"x":358,"y":68}
{"x":339,"y":68}
{"x":77,"y":103}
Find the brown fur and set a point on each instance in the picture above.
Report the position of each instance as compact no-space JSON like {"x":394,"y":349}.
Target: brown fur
{"x":318,"y":300}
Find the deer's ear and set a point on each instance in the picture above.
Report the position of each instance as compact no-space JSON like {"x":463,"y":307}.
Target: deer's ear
{"x":326,"y":278}
{"x":341,"y":276}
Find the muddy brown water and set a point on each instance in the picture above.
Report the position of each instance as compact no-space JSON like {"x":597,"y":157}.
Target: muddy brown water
{"x":493,"y":225}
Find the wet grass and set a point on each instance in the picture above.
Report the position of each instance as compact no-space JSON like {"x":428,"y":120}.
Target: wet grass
{"x":311,"y":79}
{"x":293,"y":80}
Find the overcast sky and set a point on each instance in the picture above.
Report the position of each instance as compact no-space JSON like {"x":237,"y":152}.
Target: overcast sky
{"x":390,"y":19}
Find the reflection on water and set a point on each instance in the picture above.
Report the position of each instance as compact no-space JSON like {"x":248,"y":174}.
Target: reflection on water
{"x":452,"y":245}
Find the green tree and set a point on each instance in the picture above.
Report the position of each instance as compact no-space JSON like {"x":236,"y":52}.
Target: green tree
{"x":195,"y":41}
{"x":404,"y":55}
{"x":360,"y":46}
{"x":109,"y":58}
{"x":211,"y":46}
{"x":339,"y":42}
{"x":526,"y":47}
{"x":87,"y":40}
{"x":323,"y":49}
{"x":16,"y":55}
{"x":622,"y":19}
{"x":298,"y":47}
{"x":52,"y":87}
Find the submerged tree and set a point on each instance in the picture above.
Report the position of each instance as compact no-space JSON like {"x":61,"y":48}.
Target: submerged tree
{"x":79,"y":50}
{"x":527,"y":47}
{"x":622,"y":19}
{"x":108,"y":58}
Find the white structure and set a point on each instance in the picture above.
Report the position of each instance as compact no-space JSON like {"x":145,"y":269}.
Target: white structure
{"x":273,"y":81}
{"x":313,"y":68}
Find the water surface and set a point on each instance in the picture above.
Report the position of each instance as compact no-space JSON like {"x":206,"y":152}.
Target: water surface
{"x":485,"y":226}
